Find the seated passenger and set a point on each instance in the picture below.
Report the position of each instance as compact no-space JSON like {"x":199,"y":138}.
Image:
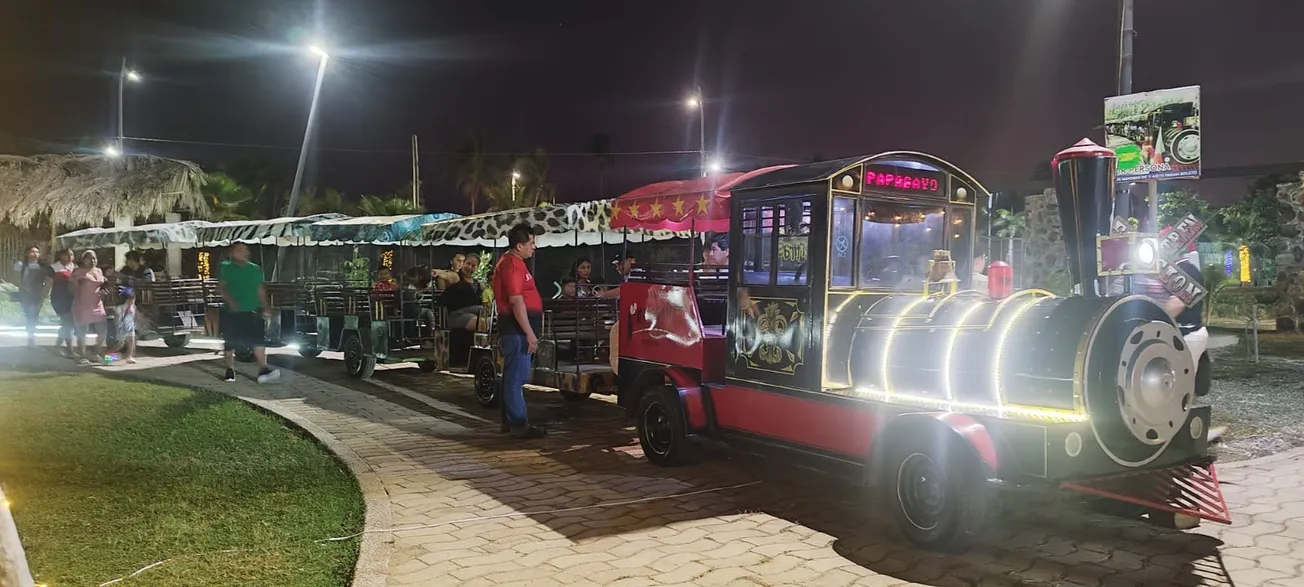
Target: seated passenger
{"x":444,"y":278}
{"x":418,"y":281}
{"x":582,"y":270}
{"x":464,"y":299}
{"x":384,"y":281}
{"x":569,"y":288}
{"x":716,"y":251}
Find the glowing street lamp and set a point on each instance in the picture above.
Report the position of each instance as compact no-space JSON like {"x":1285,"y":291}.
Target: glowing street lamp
{"x":715,"y":166}
{"x":516,"y":175}
{"x":112,"y":151}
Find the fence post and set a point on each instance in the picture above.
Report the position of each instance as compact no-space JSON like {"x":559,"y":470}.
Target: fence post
{"x":13,"y":563}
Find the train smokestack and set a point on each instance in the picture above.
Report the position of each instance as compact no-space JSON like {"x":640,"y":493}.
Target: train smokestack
{"x":1084,"y":189}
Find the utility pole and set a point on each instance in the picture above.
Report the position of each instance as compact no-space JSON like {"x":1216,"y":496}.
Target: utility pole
{"x":1126,"y":34}
{"x":416,"y":176}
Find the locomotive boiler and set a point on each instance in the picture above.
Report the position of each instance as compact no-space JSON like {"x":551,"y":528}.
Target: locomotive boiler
{"x":1071,"y":388}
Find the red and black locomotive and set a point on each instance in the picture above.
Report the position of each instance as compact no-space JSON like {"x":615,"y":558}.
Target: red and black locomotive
{"x":843,"y":327}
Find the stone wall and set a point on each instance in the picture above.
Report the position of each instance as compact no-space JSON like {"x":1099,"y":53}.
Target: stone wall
{"x":1046,"y":264}
{"x":1290,"y":257}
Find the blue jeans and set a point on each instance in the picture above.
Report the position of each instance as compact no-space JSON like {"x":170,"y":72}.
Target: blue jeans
{"x":516,"y":371}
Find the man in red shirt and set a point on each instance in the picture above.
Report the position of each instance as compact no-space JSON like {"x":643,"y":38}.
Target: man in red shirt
{"x":520,"y":317}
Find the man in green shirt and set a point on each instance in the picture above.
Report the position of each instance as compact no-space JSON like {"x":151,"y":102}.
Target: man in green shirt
{"x":243,"y":318}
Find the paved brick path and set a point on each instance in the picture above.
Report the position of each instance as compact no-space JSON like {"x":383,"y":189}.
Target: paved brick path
{"x":498,"y":512}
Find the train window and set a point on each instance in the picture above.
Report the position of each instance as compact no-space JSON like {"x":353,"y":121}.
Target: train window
{"x":842,"y":254}
{"x":896,"y":243}
{"x":758,"y":239}
{"x":794,"y":240}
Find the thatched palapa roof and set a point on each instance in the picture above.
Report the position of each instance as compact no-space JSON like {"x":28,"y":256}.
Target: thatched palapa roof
{"x":80,"y":190}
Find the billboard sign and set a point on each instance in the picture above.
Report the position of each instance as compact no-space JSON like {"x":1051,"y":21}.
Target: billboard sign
{"x":1156,"y":135}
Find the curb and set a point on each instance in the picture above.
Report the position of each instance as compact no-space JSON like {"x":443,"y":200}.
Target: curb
{"x":372,"y":566}
{"x":1293,"y":453}
{"x":374,"y":549}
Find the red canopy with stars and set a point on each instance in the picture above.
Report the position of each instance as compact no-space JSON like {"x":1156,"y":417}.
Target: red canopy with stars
{"x":700,"y":204}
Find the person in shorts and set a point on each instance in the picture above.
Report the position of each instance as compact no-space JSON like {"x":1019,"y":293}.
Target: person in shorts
{"x":243,"y":319}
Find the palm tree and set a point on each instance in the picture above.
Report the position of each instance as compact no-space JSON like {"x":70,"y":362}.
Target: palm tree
{"x":227,"y":199}
{"x":387,"y":206}
{"x":332,"y":200}
{"x":502,"y":196}
{"x":533,"y":184}
{"x":1010,"y":225}
{"x":600,"y":146}
{"x":474,"y":173}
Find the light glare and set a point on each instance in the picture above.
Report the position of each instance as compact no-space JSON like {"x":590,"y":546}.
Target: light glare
{"x":112,"y":151}
{"x":715,"y":166}
{"x":318,"y":51}
{"x":693,"y":102}
{"x":133,"y":75}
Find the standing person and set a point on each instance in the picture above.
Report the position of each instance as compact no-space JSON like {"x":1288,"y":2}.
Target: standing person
{"x":241,"y":283}
{"x":88,"y":307}
{"x":61,"y":300}
{"x":520,"y":316}
{"x":34,"y":280}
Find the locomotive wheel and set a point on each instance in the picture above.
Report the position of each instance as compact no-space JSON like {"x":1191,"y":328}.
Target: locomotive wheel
{"x":574,"y":396}
{"x":244,"y":353}
{"x":309,"y":352}
{"x":356,"y":361}
{"x":427,"y":366}
{"x":176,"y":341}
{"x":662,"y":431}
{"x":940,"y":496}
{"x":486,"y":382}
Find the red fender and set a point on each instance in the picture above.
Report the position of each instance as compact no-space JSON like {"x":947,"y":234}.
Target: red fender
{"x":690,"y":391}
{"x":976,"y":434}
{"x":965,"y":427}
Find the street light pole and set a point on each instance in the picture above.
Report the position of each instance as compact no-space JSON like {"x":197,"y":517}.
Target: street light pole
{"x":124,"y":75}
{"x":701,"y":129}
{"x":122,"y":82}
{"x":307,"y":133}
{"x":303,"y":152}
{"x":696,"y":102}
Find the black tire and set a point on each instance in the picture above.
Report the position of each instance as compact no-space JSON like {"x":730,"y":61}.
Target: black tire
{"x":244,"y":353}
{"x":308,"y":352}
{"x":1180,"y":146}
{"x":357,"y":362}
{"x":427,"y":366}
{"x":176,"y":341}
{"x":487,"y":383}
{"x":662,"y":431}
{"x":940,"y":498}
{"x":574,"y":396}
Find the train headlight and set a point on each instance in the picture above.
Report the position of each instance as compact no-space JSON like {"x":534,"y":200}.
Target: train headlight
{"x":1146,"y":251}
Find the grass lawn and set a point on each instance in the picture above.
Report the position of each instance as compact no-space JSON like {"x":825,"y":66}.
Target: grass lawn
{"x":107,"y":476}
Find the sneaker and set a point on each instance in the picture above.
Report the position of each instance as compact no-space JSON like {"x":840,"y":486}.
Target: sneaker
{"x":269,"y":375}
{"x":529,"y":432}
{"x":230,"y":376}
{"x":84,"y":362}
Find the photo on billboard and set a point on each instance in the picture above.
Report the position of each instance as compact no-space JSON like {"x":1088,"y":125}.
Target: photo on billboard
{"x":1156,"y":135}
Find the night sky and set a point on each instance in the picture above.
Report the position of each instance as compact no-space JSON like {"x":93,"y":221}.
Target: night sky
{"x":992,"y":85}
